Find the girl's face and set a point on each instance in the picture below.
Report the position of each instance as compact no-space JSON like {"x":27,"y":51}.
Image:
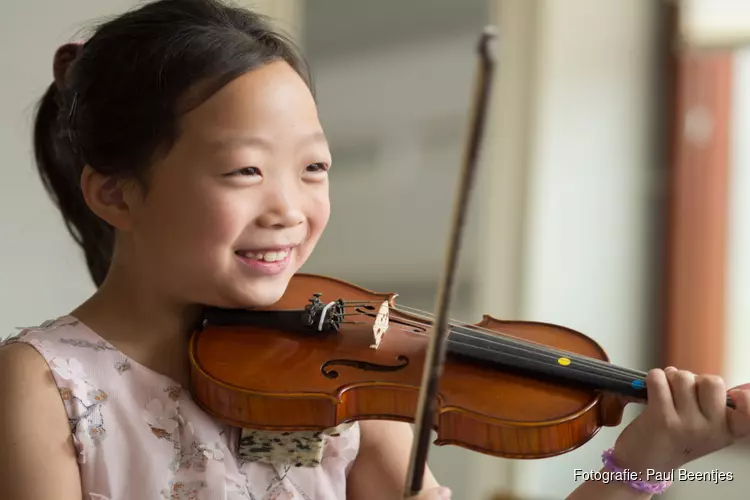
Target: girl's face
{"x":241,"y":200}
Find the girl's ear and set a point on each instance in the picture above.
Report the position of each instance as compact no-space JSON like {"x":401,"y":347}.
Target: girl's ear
{"x":108,"y":196}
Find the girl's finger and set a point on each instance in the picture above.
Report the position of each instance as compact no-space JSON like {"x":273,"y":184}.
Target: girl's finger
{"x":659,"y":394}
{"x":712,"y":397}
{"x":683,"y":392}
{"x":739,"y":418}
{"x":745,"y":387}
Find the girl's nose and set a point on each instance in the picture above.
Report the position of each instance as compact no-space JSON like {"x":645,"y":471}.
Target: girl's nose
{"x":281,"y":209}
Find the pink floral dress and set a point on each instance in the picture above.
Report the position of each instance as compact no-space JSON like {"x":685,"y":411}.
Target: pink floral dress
{"x":140,"y":436}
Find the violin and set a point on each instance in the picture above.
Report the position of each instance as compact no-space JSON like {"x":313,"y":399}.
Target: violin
{"x":512,"y":389}
{"x":330,"y":352}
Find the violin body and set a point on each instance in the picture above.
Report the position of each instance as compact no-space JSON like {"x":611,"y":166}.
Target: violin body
{"x":278,"y":378}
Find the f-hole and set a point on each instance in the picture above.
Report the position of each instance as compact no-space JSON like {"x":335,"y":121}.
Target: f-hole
{"x":325,"y":369}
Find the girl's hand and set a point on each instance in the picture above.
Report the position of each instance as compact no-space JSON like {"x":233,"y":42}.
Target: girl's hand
{"x":441,"y":493}
{"x":686,"y":418}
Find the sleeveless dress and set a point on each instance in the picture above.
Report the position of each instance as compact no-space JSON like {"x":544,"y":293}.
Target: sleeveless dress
{"x":140,"y":436}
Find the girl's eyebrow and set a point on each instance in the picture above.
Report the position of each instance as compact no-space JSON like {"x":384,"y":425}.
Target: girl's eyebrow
{"x":243,"y":140}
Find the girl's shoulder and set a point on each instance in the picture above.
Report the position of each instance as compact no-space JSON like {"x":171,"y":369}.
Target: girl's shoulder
{"x":81,"y":365}
{"x":33,"y":421}
{"x":40,"y":348}
{"x":57,"y":337}
{"x":74,"y":353}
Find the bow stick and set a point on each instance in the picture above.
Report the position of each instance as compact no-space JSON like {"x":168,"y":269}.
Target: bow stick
{"x":436,"y":350}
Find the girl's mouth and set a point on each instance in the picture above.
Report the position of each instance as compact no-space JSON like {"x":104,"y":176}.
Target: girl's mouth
{"x":267,"y":262}
{"x":266,"y":255}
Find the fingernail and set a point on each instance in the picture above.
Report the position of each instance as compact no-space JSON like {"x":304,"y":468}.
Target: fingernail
{"x":445,"y":493}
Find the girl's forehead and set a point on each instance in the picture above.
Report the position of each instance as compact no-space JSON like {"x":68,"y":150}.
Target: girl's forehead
{"x":261,"y":102}
{"x":266,"y":88}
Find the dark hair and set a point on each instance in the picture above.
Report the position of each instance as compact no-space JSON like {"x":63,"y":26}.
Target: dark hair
{"x":117,"y":105}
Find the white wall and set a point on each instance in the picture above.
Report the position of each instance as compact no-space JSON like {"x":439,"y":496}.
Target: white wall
{"x":43,"y":272}
{"x":722,"y":23}
{"x":738,"y":272}
{"x":396,"y":120}
{"x":591,"y":193}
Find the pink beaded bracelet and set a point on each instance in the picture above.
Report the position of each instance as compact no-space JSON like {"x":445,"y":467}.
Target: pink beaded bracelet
{"x":644,"y":486}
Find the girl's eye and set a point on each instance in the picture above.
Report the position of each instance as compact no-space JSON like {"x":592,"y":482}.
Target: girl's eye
{"x":247,"y":171}
{"x":317,"y":167}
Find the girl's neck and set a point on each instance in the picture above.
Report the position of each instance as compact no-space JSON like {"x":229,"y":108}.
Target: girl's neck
{"x":148,"y":328}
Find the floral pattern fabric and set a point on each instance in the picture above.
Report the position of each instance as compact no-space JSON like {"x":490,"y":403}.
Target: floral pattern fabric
{"x":139,"y":435}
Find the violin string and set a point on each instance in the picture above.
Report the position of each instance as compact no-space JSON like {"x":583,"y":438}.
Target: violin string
{"x":362,"y":302}
{"x":601,"y":369}
{"x":570,"y":369}
{"x":505,"y":340}
{"x":530,"y":343}
{"x":453,"y":323}
{"x":527,"y":361}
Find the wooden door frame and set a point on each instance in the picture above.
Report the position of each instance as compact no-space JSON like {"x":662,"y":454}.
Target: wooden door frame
{"x":695,"y":262}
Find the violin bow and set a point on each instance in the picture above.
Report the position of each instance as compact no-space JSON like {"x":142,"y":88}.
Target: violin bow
{"x":436,"y":350}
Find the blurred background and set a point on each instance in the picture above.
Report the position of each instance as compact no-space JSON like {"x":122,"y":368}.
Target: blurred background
{"x":613,"y":195}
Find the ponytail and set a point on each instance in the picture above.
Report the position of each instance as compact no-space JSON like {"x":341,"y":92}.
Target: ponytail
{"x":60,"y":168}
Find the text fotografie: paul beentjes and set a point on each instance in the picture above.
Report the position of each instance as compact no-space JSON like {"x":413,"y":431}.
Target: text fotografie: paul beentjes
{"x":653,"y":476}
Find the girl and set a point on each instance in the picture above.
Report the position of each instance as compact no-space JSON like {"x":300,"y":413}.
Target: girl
{"x":183,"y":148}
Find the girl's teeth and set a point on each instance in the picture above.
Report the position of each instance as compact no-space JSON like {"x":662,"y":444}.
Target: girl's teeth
{"x":268,"y":256}
{"x":271,"y":257}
